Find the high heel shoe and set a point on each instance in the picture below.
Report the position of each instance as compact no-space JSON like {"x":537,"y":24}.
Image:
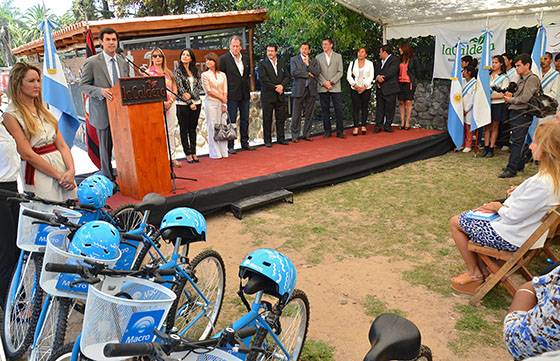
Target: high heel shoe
{"x":196,"y":160}
{"x":364,"y":130}
{"x":355,"y":131}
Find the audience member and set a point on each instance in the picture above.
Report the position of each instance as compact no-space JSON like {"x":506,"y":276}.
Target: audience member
{"x":215,"y":86}
{"x":527,"y":86}
{"x":468,"y":60}
{"x":499,"y":79}
{"x":304,"y":71}
{"x":510,"y":68}
{"x":407,"y":84}
{"x":557,"y":62}
{"x":236,"y":68}
{"x":274,"y":80}
{"x":360,"y":76}
{"x":329,"y":88}
{"x":550,"y":77}
{"x":532,"y":324}
{"x":387,"y":89}
{"x":469,"y":74}
{"x":9,"y":211}
{"x":48,"y":167}
{"x":518,"y":217}
{"x":504,"y":135}
{"x":158,"y":67}
{"x":189,"y":87}
{"x":97,"y":85}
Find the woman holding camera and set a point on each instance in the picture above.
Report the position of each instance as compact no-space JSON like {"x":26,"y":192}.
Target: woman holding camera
{"x":498,"y":80}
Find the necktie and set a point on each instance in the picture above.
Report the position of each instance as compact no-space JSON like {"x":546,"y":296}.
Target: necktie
{"x":114,"y":70}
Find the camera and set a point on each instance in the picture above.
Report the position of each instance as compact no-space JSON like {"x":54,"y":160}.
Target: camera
{"x":511,"y":88}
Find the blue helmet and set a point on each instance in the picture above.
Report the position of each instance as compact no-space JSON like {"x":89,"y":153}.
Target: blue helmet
{"x":187,"y":223}
{"x":91,"y":195}
{"x":102,"y":182}
{"x":275,"y":267}
{"x":97,"y":239}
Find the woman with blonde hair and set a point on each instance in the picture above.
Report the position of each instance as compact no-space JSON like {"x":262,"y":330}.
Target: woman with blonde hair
{"x":214,"y":83}
{"x":48,"y":167}
{"x":507,"y":226}
{"x":158,"y":67}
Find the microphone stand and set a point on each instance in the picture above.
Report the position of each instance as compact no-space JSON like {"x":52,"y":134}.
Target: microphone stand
{"x":174,"y":176}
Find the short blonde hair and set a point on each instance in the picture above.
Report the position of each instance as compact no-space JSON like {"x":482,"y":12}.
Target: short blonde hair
{"x":547,"y":138}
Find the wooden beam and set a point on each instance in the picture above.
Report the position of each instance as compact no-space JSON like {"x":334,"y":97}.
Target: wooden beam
{"x":251,"y":58}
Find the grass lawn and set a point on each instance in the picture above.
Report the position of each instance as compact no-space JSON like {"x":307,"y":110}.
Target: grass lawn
{"x":401,"y":214}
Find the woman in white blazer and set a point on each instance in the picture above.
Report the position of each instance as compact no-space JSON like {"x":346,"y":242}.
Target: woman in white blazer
{"x":506,"y":226}
{"x":360,"y":75}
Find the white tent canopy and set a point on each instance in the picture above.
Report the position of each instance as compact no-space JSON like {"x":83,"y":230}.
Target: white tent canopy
{"x":405,"y":19}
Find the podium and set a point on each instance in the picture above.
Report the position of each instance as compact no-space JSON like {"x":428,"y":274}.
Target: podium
{"x":139,"y":138}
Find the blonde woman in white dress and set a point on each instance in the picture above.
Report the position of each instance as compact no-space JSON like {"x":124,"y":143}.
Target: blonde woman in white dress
{"x":47,"y":164}
{"x":214,"y":83}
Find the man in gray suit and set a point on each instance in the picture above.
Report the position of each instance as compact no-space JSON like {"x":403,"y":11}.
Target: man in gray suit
{"x":99,"y":73}
{"x":304,"y":71}
{"x":329,"y":87}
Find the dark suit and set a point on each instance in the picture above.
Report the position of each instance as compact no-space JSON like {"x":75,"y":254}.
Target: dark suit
{"x":386,"y":92}
{"x":238,"y":94}
{"x":272,"y":101}
{"x":304,"y":92}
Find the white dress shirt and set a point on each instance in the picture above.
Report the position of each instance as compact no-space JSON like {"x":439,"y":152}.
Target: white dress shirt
{"x":274,"y":65}
{"x":552,"y":88}
{"x":328,"y":58}
{"x":110,"y":66}
{"x":524,"y":209}
{"x":238,"y":62}
{"x":512,"y":75}
{"x":503,"y":82}
{"x":384,"y":61}
{"x":9,"y":159}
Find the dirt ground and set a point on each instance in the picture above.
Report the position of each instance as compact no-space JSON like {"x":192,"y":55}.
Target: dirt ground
{"x":336,"y":288}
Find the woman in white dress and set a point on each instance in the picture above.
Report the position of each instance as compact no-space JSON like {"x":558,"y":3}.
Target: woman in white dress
{"x":214,"y":83}
{"x":47,"y":164}
{"x":469,"y":74}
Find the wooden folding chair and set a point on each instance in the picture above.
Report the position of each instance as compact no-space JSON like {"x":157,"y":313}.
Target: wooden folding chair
{"x":514,"y":261}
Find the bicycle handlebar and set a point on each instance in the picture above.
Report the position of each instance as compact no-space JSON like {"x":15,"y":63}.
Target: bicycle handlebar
{"x":128,"y":349}
{"x":134,"y":237}
{"x":65,"y":268}
{"x":28,"y":196}
{"x":47,"y":218}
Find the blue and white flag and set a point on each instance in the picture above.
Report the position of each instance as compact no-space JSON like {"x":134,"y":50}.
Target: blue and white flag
{"x":481,"y":106}
{"x":455,"y":119}
{"x":55,"y":87}
{"x":539,"y":48}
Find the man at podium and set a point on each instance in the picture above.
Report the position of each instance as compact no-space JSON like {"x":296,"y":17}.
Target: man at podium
{"x":99,"y":73}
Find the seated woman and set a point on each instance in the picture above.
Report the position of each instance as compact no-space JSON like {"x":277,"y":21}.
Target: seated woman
{"x":47,"y":164}
{"x":518,"y":217}
{"x":532,"y":325}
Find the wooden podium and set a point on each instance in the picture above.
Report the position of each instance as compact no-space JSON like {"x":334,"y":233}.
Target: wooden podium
{"x":139,"y":138}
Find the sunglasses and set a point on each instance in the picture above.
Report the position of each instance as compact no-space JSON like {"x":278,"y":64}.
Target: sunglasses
{"x":157,"y":56}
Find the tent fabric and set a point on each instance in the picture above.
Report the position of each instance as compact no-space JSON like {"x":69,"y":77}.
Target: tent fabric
{"x":405,"y":19}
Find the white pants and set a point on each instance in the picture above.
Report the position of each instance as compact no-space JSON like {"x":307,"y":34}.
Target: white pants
{"x":213,"y":111}
{"x":172,"y":126}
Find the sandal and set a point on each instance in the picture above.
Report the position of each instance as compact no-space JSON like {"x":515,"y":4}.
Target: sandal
{"x":465,"y":278}
{"x":176,"y":164}
{"x":355,"y":131}
{"x":467,"y":288}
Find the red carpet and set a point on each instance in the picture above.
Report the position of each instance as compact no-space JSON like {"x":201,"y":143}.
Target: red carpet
{"x":264,"y":161}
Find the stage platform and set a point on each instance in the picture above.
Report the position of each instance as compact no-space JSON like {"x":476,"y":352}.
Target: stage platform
{"x":295,"y":167}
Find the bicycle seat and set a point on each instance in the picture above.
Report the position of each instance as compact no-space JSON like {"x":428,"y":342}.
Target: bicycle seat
{"x":150,"y":201}
{"x":257,"y":282}
{"x":393,"y":338}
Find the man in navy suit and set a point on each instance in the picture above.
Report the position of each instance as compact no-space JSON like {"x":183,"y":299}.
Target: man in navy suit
{"x":236,"y":67}
{"x":274,"y":80}
{"x":387,"y":89}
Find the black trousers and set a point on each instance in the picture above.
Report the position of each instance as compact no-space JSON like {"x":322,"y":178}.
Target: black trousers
{"x":519,"y":126}
{"x":9,"y":252}
{"x":360,"y":106}
{"x":305,"y":103}
{"x":385,"y":111}
{"x":188,"y":121}
{"x":325,"y":99}
{"x":279,"y":108}
{"x":243,"y":107}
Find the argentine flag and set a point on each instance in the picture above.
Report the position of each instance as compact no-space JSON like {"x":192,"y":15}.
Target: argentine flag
{"x":539,"y":48}
{"x":481,"y":105}
{"x":55,"y":88}
{"x":455,"y":120}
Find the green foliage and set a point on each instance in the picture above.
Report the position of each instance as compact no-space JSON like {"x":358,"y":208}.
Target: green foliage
{"x":317,"y":351}
{"x":373,"y":307}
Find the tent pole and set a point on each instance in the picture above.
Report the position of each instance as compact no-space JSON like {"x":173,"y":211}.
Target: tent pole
{"x":384,"y":26}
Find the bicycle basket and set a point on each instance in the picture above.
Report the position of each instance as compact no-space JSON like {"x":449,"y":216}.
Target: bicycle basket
{"x":123,"y":310}
{"x":31,"y":235}
{"x":61,"y":284}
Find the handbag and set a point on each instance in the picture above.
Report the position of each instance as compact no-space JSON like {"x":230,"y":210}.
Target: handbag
{"x":542,"y":105}
{"x":225,"y":130}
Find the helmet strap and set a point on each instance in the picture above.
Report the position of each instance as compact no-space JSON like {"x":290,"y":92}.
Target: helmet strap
{"x":242,"y":295}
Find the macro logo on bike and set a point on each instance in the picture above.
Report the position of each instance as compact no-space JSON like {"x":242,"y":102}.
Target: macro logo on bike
{"x":141,"y":326}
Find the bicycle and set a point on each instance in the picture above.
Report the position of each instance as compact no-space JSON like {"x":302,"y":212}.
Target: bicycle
{"x":393,"y":337}
{"x":265,"y":332}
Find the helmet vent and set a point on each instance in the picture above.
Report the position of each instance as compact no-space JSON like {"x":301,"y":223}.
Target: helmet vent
{"x":87,"y":244}
{"x":266,"y":263}
{"x":95,"y":226}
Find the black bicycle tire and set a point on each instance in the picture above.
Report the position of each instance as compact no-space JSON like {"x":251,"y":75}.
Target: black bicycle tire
{"x":61,"y":322}
{"x":37,"y":301}
{"x":170,"y":321}
{"x":261,"y":334}
{"x":114,"y":213}
{"x":425,"y":352}
{"x":67,"y":350}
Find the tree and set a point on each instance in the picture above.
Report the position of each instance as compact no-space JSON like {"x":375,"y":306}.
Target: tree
{"x":33,"y":18}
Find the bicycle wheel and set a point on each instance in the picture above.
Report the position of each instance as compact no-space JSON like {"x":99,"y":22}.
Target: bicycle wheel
{"x":64,"y":353}
{"x":210,"y":278}
{"x":23,"y":306}
{"x":425,"y":354}
{"x":51,"y":336}
{"x":127,"y":217}
{"x":293,"y":322}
